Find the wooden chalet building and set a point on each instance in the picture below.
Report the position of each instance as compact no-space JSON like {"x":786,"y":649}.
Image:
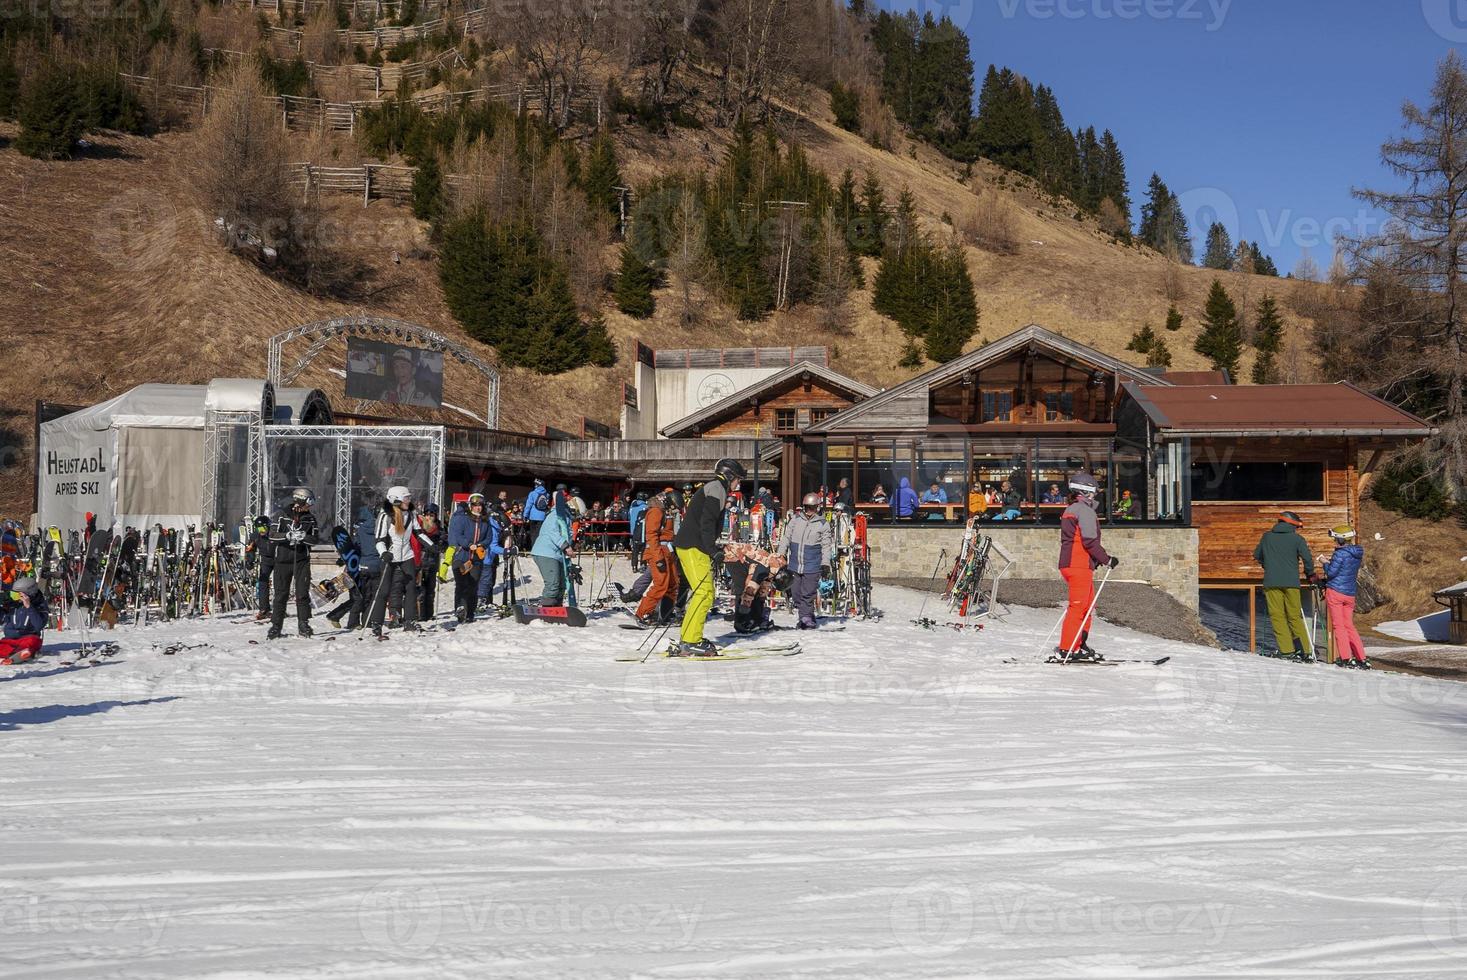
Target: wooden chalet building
{"x":783,"y":404}
{"x":1191,"y":474}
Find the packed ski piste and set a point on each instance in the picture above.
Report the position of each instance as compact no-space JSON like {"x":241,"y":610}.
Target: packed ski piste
{"x":513,"y":742}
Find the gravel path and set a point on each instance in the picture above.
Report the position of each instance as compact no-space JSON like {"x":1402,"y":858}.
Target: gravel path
{"x":1139,"y":607}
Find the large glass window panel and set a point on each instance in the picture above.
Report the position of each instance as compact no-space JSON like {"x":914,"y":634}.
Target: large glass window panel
{"x":998,"y":477}
{"x":1222,"y":480}
{"x":941,"y":472}
{"x":876,"y":470}
{"x":1129,"y":491}
{"x":839,"y":464}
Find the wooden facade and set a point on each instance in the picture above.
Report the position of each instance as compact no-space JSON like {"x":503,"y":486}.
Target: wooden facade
{"x":794,"y":407}
{"x":1228,"y":531}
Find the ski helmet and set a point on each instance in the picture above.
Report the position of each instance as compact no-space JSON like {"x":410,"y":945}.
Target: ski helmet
{"x":673,"y":499}
{"x":729,"y":469}
{"x":302,"y":496}
{"x":1083,"y":482}
{"x":1343,"y":533}
{"x":399,"y":495}
{"x":25,"y":585}
{"x":687,"y":489}
{"x":476,"y":498}
{"x":811,"y":500}
{"x":1289,"y":517}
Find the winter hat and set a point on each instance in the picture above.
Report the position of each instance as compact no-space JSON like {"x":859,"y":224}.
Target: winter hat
{"x":26,"y":585}
{"x":1289,"y":517}
{"x":1083,"y":482}
{"x":431,"y":509}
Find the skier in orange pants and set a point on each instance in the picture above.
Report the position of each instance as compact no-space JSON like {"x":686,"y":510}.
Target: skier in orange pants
{"x":1080,"y":554}
{"x":659,"y":524}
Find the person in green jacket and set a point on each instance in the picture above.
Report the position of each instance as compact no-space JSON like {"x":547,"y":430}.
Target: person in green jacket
{"x":1280,"y":551}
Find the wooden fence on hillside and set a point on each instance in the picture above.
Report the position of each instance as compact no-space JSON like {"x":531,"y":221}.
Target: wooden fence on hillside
{"x":301,"y":113}
{"x":289,"y":38}
{"x":416,"y":73}
{"x":376,"y":9}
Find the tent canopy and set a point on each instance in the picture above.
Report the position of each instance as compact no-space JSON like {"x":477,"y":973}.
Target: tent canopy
{"x":153,"y":405}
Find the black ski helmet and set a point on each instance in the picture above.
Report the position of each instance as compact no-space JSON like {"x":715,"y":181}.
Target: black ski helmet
{"x":726,"y":469}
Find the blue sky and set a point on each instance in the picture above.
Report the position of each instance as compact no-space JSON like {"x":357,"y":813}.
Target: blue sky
{"x":1242,"y":106}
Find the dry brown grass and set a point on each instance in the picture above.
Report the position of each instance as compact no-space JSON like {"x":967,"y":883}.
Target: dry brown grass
{"x":990,"y":224}
{"x":1413,"y":559}
{"x":113,"y":277}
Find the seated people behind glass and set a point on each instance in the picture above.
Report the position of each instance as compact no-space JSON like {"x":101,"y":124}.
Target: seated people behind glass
{"x":1009,"y":503}
{"x":1125,"y":507}
{"x":977,"y":501}
{"x":878,"y":496}
{"x":935,"y":494}
{"x":1054,"y":495}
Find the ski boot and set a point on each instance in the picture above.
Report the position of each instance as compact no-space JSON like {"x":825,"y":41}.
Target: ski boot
{"x":1362,"y":664}
{"x":650,"y":622}
{"x":304,"y":630}
{"x":411,"y":628}
{"x":1346,"y":663}
{"x":702,"y":648}
{"x":335,"y":623}
{"x":461,"y":614}
{"x":273,"y":633}
{"x":378,"y":634}
{"x":260,"y":617}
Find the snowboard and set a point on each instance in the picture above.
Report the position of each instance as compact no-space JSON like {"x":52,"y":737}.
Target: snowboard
{"x":330,"y":591}
{"x":565,"y":615}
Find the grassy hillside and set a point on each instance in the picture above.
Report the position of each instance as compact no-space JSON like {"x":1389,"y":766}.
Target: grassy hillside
{"x":111,"y":277}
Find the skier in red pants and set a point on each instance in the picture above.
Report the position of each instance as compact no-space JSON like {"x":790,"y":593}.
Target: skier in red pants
{"x":1080,"y":554}
{"x":24,"y":613}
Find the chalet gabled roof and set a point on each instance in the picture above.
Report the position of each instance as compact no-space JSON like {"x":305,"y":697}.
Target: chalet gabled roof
{"x":1338,"y":409}
{"x":976,"y":359}
{"x":732,"y":403}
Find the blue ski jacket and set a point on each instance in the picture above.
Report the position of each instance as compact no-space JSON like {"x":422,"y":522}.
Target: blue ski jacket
{"x":904,"y":502}
{"x":368,"y":561}
{"x":537,"y":504}
{"x":21,"y":622}
{"x":555,"y":534}
{"x":1342,"y":571}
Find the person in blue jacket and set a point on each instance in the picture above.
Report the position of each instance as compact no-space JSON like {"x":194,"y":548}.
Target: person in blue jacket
{"x":634,"y":526}
{"x":499,"y":545}
{"x":904,"y":503}
{"x":1342,"y":574}
{"x":552,"y":549}
{"x":470,"y":535}
{"x":537,"y":507}
{"x":25,"y":613}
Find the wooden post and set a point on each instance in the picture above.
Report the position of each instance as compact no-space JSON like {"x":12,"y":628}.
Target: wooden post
{"x":1252,"y":619}
{"x":366,"y":184}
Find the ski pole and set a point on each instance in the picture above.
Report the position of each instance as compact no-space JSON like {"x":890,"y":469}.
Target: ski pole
{"x":1093,"y":601}
{"x":921,"y":613}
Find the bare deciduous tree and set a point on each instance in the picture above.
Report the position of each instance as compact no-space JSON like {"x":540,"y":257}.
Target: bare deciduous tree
{"x":239,"y":162}
{"x":687,"y":255}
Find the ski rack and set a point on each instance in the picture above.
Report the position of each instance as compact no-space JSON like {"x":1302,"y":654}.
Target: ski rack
{"x":993,"y":601}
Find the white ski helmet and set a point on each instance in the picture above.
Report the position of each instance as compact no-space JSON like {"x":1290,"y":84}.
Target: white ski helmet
{"x":1082,"y":482}
{"x":399,"y":495}
{"x":302,"y":496}
{"x":811,"y":500}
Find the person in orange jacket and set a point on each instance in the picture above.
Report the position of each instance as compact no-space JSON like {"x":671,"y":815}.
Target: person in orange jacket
{"x":659,"y":523}
{"x":1080,"y":555}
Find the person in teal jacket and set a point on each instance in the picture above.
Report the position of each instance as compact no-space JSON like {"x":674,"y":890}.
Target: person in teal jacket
{"x":552,"y":549}
{"x":1281,"y":551}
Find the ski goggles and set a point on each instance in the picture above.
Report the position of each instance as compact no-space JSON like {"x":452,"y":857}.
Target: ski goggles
{"x":14,"y":596}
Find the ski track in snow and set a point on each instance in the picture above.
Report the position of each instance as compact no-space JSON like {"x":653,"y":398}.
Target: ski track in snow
{"x":508,"y":801}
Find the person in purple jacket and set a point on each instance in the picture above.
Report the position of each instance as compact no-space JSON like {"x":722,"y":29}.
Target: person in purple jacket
{"x":905,"y":503}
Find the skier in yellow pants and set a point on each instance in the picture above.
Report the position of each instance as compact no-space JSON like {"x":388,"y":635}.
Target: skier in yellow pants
{"x":1282,"y":551}
{"x":696,"y":543}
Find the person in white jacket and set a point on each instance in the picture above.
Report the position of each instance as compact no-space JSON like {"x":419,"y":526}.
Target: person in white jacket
{"x":397,"y":529}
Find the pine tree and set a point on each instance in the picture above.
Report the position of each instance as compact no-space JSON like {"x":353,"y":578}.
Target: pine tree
{"x":870,"y":233}
{"x":1173,"y":319}
{"x":1268,"y":339}
{"x":52,"y":115}
{"x":1114,"y":185}
{"x":952,"y":310}
{"x":1221,"y":340}
{"x":1219,"y":248}
{"x":1159,"y":356}
{"x":634,"y":281}
{"x":428,"y":201}
{"x":602,"y":176}
{"x":1007,"y":121}
{"x":9,"y":86}
{"x":1263,"y":265}
{"x":1163,"y":225}
{"x":846,"y":107}
{"x":1143,"y":340}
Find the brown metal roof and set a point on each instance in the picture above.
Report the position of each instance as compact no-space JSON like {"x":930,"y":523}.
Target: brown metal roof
{"x":1244,"y":410}
{"x":1196,"y":377}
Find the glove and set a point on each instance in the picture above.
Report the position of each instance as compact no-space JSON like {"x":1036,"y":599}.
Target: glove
{"x":662,"y":565}
{"x":478,"y":551}
{"x":295,"y":535}
{"x":1114,"y":561}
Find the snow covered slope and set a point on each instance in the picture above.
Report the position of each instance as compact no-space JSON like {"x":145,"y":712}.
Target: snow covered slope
{"x":508,"y":801}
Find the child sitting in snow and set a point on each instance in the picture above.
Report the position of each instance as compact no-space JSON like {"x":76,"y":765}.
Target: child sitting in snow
{"x":25,"y":616}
